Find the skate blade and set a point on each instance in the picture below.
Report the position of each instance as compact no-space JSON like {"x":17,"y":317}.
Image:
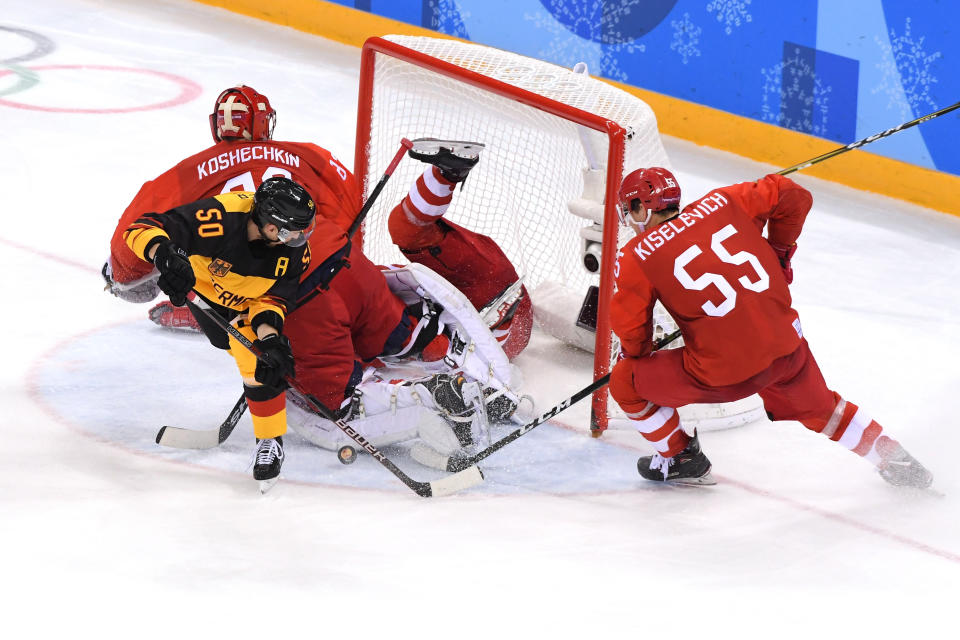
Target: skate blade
{"x":266,"y":485}
{"x":460,"y":148}
{"x":706,"y":480}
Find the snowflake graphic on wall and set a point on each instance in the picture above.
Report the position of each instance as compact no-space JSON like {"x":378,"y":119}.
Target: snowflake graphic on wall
{"x":730,"y":12}
{"x":686,"y":37}
{"x":906,"y":66}
{"x":792,"y":80}
{"x":447,"y":18}
{"x":594,"y":24}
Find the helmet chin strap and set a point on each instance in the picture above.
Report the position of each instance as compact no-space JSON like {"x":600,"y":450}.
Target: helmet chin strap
{"x":642,"y":226}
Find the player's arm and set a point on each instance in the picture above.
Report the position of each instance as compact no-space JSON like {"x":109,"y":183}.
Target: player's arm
{"x":267,"y":314}
{"x":776,"y":202}
{"x":781,"y":205}
{"x":631,"y":310}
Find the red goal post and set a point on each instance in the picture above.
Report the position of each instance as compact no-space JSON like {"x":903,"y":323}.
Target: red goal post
{"x":556,"y":141}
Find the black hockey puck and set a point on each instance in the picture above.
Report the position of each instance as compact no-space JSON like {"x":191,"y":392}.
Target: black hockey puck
{"x":347,"y":455}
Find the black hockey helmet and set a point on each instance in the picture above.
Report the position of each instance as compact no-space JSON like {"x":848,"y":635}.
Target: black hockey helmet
{"x":287,"y":204}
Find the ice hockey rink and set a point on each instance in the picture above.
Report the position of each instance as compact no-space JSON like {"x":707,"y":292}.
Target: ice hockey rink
{"x":105,"y":534}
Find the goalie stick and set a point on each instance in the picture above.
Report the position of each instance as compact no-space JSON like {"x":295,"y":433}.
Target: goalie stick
{"x":469,"y":476}
{"x":181,"y":438}
{"x":431,"y":458}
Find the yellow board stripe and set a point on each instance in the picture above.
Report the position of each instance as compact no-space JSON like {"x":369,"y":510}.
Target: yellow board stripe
{"x":753,"y":139}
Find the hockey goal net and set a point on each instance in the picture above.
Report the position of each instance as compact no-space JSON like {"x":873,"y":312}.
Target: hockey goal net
{"x":558,"y":143}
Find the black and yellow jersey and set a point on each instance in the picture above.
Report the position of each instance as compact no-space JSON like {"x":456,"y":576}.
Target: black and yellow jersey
{"x":232,"y":271}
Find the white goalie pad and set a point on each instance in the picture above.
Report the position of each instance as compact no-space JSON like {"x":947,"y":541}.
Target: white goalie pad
{"x":391,"y":404}
{"x":384,"y":413}
{"x":473,"y":349}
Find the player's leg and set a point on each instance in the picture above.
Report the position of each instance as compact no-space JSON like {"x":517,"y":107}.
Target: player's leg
{"x":267,"y":411}
{"x":805,"y":397}
{"x":471,"y":261}
{"x":649,"y":390}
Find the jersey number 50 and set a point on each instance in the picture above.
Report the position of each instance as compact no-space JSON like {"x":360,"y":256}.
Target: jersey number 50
{"x":730,"y":295}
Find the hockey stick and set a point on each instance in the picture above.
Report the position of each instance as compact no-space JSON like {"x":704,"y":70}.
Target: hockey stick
{"x":868,"y":139}
{"x":466,"y":478}
{"x":181,"y":438}
{"x":455,"y":464}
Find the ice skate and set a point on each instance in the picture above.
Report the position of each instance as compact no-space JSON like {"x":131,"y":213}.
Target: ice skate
{"x":268,"y":459}
{"x":168,"y":316}
{"x":690,"y":466}
{"x":901,"y":469}
{"x":454,"y":158}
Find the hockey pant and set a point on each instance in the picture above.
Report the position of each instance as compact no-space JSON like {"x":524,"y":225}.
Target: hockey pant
{"x":649,"y":389}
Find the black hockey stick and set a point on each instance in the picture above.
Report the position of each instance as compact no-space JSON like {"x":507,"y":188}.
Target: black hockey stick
{"x":868,"y":139}
{"x":181,"y":438}
{"x":455,"y":464}
{"x":466,"y":478}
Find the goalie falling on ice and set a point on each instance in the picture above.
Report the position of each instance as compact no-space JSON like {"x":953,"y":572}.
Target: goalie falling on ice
{"x":420,"y":351}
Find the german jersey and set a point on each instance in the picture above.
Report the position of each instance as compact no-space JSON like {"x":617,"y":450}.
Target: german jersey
{"x":239,"y":166}
{"x":232,"y":271}
{"x":719,"y":279}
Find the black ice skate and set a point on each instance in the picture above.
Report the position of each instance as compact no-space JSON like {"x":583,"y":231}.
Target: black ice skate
{"x":267,"y":462}
{"x":454,"y":158}
{"x":689,"y":466}
{"x":901,"y":469}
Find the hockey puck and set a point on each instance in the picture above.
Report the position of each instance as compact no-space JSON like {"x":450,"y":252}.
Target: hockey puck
{"x":347,"y":455}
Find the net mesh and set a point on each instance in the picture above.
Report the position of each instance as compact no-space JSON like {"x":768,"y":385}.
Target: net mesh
{"x":533,"y":162}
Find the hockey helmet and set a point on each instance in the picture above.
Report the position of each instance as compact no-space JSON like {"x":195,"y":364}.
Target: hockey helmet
{"x":286,"y":204}
{"x":242,"y":113}
{"x":655,"y":187}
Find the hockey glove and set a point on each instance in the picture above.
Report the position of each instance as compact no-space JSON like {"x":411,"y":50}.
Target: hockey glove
{"x":276,"y":363}
{"x":176,"y":275}
{"x":784,"y":254}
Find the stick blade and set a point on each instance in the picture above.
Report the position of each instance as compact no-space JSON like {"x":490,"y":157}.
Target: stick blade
{"x":180,"y":438}
{"x":460,"y":481}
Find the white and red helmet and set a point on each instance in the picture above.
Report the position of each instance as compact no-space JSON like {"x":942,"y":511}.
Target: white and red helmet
{"x":655,"y":187}
{"x":242,"y":113}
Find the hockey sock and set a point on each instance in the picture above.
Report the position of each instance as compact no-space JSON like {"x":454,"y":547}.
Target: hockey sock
{"x":659,"y":425}
{"x":268,"y":410}
{"x":851,"y":427}
{"x":411,"y":222}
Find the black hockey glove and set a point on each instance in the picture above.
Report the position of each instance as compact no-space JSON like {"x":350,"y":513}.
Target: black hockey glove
{"x":276,"y":362}
{"x":176,"y":274}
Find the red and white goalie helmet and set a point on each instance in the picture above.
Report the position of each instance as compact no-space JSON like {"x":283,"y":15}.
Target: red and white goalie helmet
{"x":655,"y":187}
{"x":241,"y":112}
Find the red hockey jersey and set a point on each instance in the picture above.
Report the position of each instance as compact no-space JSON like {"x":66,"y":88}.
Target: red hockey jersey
{"x":718,"y":277}
{"x":238,"y":166}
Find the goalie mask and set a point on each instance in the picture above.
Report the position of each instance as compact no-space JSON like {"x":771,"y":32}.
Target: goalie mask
{"x":243,"y":114}
{"x":654,"y":187}
{"x":286,"y":204}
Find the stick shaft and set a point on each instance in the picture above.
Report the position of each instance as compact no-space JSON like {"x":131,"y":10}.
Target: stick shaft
{"x":869,"y":139}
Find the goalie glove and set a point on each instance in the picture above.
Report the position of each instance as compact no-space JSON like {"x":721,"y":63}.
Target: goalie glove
{"x":784,"y":254}
{"x":176,"y":274}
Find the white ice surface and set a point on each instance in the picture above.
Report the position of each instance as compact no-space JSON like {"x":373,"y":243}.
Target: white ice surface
{"x":105,"y":535}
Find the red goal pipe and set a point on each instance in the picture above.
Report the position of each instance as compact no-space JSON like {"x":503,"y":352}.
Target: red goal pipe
{"x":615,"y":133}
